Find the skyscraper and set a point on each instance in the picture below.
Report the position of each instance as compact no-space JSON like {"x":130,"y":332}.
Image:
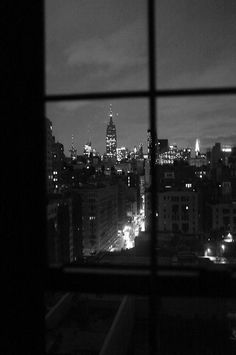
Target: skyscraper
{"x":197,"y":148}
{"x":73,"y":151}
{"x":150,"y":144}
{"x":88,"y":149}
{"x":111,"y":140}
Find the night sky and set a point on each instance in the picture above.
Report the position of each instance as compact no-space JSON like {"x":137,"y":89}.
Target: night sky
{"x":101,"y":45}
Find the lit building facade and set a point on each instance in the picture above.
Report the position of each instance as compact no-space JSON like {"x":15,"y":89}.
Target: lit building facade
{"x":111,"y":139}
{"x":58,"y":159}
{"x":122,"y":153}
{"x":88,"y":149}
{"x":173,"y":154}
{"x":178,"y":212}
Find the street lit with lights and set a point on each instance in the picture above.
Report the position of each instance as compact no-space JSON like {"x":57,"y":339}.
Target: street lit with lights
{"x":228,"y":238}
{"x":126,"y":236}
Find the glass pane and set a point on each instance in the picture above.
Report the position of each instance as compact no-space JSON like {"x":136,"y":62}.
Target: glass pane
{"x":98,"y":170}
{"x":204,"y":325}
{"x":79,"y":323}
{"x":139,"y":340}
{"x":196,"y":180}
{"x":89,"y":324}
{"x":196,"y":43}
{"x":95,"y":45}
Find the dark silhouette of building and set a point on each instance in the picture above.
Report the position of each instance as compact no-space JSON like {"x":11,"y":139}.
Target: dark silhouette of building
{"x":49,"y":143}
{"x":99,"y":216}
{"x":162,"y":145}
{"x":58,"y":161}
{"x":216,"y":154}
{"x":60,"y":234}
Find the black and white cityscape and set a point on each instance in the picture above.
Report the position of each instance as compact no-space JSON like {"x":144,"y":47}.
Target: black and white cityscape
{"x":99,"y":202}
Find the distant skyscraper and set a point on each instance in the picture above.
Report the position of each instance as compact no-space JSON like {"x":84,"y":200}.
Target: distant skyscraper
{"x":150,"y":144}
{"x":58,"y":158}
{"x":197,"y":148}
{"x":162,"y":145}
{"x":88,"y":149}
{"x":216,"y":154}
{"x":140,"y":150}
{"x":73,"y":151}
{"x":111,"y":140}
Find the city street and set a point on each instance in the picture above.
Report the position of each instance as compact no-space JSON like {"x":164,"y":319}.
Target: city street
{"x":130,"y":231}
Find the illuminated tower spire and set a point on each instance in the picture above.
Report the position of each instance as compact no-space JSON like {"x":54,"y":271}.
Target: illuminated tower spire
{"x":111,"y":114}
{"x":73,"y":151}
{"x":197,"y":148}
{"x":111,"y":140}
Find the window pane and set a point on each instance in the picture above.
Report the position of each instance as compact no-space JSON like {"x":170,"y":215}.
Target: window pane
{"x":118,"y":324}
{"x":204,"y":325}
{"x":196,"y":43}
{"x":197,"y":180}
{"x":89,"y":324}
{"x":95,"y":45}
{"x":98,"y":174}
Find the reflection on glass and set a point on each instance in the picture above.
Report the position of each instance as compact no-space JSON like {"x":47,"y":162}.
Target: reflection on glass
{"x":90,"y":324}
{"x":206,"y":326}
{"x":113,"y":324}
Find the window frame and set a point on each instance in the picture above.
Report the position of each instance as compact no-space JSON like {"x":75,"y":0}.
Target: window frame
{"x":154,"y":280}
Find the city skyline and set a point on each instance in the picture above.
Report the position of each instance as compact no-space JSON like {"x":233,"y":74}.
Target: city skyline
{"x":79,"y":146}
{"x":195,"y":48}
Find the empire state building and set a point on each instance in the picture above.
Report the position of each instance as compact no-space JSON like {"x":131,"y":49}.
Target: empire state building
{"x":111,"y":140}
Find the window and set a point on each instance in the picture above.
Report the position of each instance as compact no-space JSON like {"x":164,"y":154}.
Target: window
{"x":151,"y":94}
{"x":72,"y":278}
{"x":175,"y":198}
{"x":175,"y":227}
{"x":175,"y":208}
{"x":185,"y":227}
{"x":226,"y":220}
